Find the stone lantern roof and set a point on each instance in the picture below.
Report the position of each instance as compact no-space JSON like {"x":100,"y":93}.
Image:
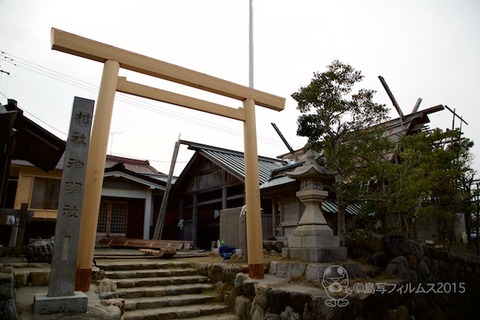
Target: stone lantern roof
{"x":310,"y":169}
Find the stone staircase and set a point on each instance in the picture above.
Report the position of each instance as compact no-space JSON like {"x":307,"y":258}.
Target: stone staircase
{"x":163,"y":289}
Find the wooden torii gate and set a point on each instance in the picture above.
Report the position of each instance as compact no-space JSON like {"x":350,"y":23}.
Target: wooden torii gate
{"x":115,"y":58}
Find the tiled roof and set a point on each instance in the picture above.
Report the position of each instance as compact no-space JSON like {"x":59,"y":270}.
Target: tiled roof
{"x":134,"y":165}
{"x":234,"y":162}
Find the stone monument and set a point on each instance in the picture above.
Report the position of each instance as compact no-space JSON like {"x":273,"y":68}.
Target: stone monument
{"x":233,"y":229}
{"x":313,"y":239}
{"x":62,"y":297}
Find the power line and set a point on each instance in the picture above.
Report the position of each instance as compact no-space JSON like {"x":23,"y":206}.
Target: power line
{"x":46,"y":124}
{"x":149,"y":106}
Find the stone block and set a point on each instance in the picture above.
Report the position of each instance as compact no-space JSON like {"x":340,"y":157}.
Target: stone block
{"x":113,"y":313}
{"x":354,"y":270}
{"x":118,"y":303}
{"x":287,"y":269}
{"x":262,"y":296}
{"x":273,"y":267}
{"x":314,"y":271}
{"x":8,"y":310}
{"x":231,"y":272}
{"x":268,"y":245}
{"x":7,"y":289}
{"x":301,"y":254}
{"x":277,"y":300}
{"x":40,"y":278}
{"x":313,"y":241}
{"x":295,"y":242}
{"x":257,"y":312}
{"x":318,"y":254}
{"x":43,"y":304}
{"x":21,"y":279}
{"x":313,"y":230}
{"x":320,"y":241}
{"x":243,"y":306}
{"x":283,"y":270}
{"x":6,"y":269}
{"x":202,"y":268}
{"x":106,"y":285}
{"x":297,"y":270}
{"x":328,"y":254}
{"x":216,"y":273}
{"x":278,"y":246}
{"x":248,"y":288}
{"x":298,"y":301}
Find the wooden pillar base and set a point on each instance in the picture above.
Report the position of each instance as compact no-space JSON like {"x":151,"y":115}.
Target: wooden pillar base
{"x":82,"y":280}
{"x":256,"y":271}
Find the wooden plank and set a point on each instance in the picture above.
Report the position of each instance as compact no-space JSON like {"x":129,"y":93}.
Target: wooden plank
{"x":177,"y":99}
{"x":105,"y":241}
{"x":153,"y":244}
{"x":97,"y":51}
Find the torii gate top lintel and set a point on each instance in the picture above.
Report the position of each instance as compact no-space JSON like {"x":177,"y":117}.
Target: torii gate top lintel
{"x":115,"y":58}
{"x":83,"y":47}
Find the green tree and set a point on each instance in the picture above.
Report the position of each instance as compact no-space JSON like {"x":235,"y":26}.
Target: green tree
{"x":342,"y":126}
{"x":426,"y":181}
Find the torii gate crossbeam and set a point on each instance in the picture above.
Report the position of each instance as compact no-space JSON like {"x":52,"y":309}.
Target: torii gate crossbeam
{"x":115,"y":58}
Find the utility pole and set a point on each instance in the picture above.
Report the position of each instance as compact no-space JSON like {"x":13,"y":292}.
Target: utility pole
{"x":157,"y":234}
{"x":250,"y":44}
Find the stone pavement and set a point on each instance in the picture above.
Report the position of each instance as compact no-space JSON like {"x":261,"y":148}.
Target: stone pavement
{"x":24,"y":301}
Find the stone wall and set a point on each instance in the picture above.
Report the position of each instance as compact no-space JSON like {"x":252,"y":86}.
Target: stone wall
{"x":8,"y":309}
{"x":409,"y":265}
{"x":252,"y":299}
{"x":450,"y":279}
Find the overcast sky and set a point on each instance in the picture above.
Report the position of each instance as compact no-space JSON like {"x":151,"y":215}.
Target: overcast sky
{"x":423,"y":48}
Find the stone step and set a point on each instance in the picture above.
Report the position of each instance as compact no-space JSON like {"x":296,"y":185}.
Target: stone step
{"x":159,"y":281}
{"x":160,"y":289}
{"x":167,"y":301}
{"x":111,"y":265}
{"x":181,"y":312}
{"x":157,"y":291}
{"x":145,"y":273}
{"x":222,"y":316}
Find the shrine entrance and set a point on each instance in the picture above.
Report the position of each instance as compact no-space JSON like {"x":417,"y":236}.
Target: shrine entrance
{"x":115,"y":58}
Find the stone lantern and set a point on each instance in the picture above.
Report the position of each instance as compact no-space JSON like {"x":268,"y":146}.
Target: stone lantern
{"x":313,"y":239}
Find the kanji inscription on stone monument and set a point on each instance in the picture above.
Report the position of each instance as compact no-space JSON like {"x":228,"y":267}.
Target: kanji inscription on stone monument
{"x":62,"y":279}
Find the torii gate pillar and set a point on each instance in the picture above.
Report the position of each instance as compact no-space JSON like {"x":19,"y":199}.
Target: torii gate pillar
{"x":116,"y":58}
{"x":252,"y":193}
{"x":94,"y":174}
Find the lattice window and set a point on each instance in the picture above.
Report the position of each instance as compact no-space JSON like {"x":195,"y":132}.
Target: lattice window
{"x":102,"y":218}
{"x":112,"y":218}
{"x":118,"y":218}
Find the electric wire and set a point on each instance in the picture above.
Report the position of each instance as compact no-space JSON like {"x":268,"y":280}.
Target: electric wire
{"x":128,"y":99}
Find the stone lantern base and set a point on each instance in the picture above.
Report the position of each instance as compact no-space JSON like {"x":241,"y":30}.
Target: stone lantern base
{"x":314,"y":243}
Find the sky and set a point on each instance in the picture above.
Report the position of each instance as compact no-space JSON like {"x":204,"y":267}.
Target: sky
{"x":427,"y":49}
